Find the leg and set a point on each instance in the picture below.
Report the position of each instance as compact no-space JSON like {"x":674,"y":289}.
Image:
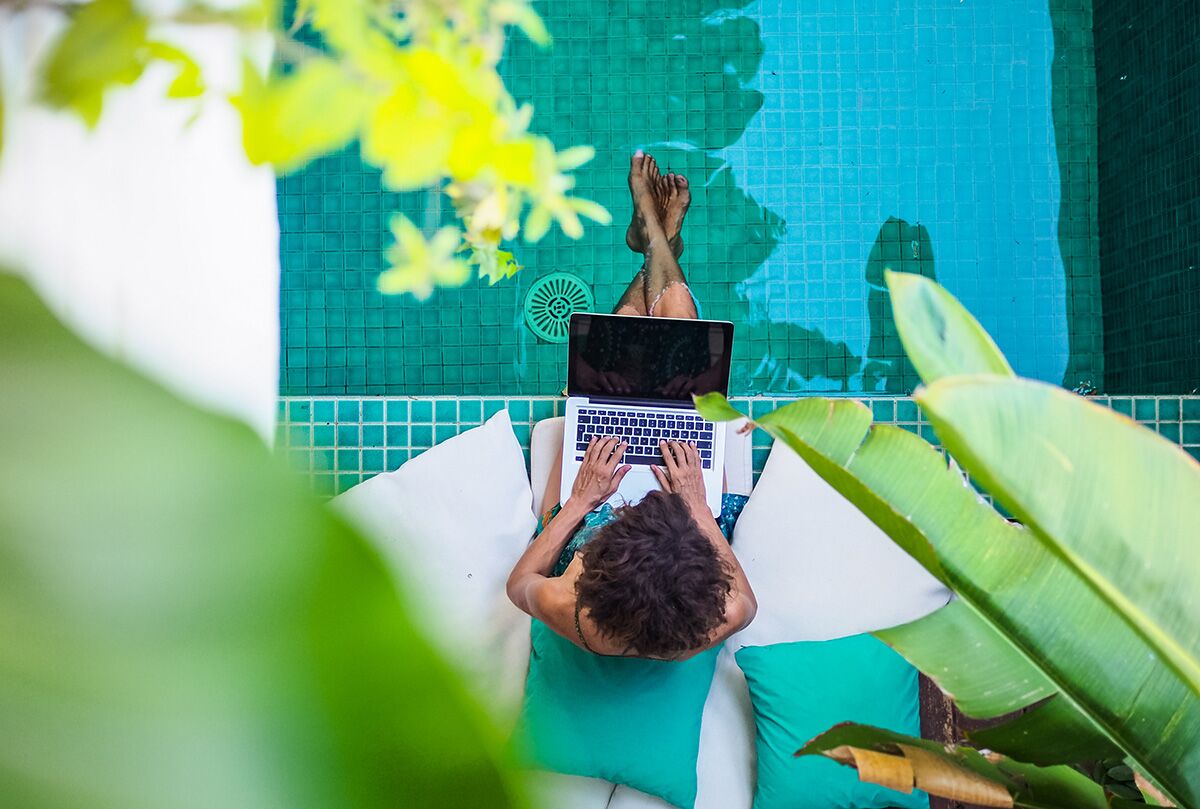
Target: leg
{"x":633,"y":302}
{"x":667,"y":293}
{"x":659,"y":206}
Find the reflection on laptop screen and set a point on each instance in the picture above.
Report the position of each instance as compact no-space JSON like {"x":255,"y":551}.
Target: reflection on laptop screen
{"x":613,"y":356}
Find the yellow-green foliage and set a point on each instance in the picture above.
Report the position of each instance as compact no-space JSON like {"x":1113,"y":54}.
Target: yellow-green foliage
{"x":414,"y":81}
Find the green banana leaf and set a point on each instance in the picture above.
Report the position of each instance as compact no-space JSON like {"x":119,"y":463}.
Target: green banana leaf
{"x":958,"y":773}
{"x":182,"y":624}
{"x":1014,"y":590}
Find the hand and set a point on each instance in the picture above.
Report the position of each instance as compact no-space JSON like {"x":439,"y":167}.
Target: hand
{"x":601,"y":473}
{"x":682,"y":473}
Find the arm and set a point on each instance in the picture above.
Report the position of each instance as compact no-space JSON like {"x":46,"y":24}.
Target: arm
{"x":599,"y":476}
{"x":682,"y":473}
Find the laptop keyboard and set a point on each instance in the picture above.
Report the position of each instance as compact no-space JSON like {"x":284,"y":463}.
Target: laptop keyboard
{"x":643,"y":431}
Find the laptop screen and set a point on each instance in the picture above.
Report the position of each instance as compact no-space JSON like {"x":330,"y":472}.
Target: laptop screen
{"x":647,"y":358}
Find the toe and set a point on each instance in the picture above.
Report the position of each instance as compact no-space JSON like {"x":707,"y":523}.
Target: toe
{"x":652,"y":167}
{"x":681,"y":182}
{"x":637,"y":162}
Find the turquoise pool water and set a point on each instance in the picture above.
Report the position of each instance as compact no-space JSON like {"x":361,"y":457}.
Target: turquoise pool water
{"x":825,"y":142}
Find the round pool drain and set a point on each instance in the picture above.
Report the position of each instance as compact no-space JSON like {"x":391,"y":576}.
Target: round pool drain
{"x":550,"y":302}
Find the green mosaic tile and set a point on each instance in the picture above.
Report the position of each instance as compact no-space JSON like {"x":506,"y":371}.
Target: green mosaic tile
{"x":470,"y":411}
{"x":372,"y":411}
{"x":445,"y":410}
{"x":403,"y":441}
{"x":1145,"y":409}
{"x":397,"y":410}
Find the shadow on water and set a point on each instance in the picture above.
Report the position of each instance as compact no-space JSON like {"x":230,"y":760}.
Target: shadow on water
{"x":903,"y":248}
{"x":1073,"y":97}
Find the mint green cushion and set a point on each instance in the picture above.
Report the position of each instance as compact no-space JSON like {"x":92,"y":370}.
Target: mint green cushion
{"x":800,"y":690}
{"x":629,"y":721}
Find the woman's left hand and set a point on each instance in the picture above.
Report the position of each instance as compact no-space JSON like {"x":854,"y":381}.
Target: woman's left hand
{"x":601,"y":473}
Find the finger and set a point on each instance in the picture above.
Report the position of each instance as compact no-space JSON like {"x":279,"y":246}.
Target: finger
{"x":663,"y":480}
{"x":681,"y":456}
{"x":668,"y":457}
{"x":618,"y":454}
{"x":606,"y":449}
{"x":592,"y":451}
{"x":693,"y":453}
{"x":620,"y":475}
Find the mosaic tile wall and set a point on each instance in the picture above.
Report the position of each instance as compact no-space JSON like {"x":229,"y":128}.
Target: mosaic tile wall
{"x":340,"y":442}
{"x":1148,"y":73}
{"x":826,"y":140}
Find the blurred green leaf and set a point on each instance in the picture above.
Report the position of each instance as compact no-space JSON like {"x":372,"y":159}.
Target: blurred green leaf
{"x":102,"y":46}
{"x":188,"y":83}
{"x":183,"y":625}
{"x":715,"y":407}
{"x":287,"y":121}
{"x":939,"y":335}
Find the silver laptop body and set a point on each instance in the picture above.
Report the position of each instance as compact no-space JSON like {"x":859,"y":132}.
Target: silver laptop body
{"x":633,"y":378}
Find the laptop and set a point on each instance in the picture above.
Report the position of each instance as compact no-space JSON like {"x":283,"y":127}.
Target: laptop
{"x":633,"y":378}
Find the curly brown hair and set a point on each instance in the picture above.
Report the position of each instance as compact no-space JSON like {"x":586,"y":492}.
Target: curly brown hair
{"x":652,"y":580}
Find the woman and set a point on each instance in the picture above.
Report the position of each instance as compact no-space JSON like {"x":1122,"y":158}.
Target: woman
{"x":656,"y":579}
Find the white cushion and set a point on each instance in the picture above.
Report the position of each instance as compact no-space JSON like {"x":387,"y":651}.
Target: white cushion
{"x":452,"y":522}
{"x":725,"y":767}
{"x":545,"y":446}
{"x":819,"y":568}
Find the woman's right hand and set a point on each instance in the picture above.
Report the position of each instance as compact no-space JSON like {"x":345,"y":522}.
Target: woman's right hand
{"x":600,"y":474}
{"x":683,"y":474}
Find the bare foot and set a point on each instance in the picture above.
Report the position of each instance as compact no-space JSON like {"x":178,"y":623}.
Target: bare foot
{"x":679,"y":198}
{"x":663,"y":187}
{"x":645,"y":187}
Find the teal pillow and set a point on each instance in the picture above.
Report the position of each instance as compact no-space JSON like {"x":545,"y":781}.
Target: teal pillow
{"x":625,"y":720}
{"x":800,"y":690}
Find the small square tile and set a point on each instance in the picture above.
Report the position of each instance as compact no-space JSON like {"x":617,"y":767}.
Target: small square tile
{"x":491,"y":407}
{"x":445,"y":411}
{"x":1169,"y":409}
{"x":1191,"y":409}
{"x":1123,"y":406}
{"x":518,"y":410}
{"x":422,"y":435}
{"x":397,"y":435}
{"x":422,"y":411}
{"x":1170,"y":430}
{"x":372,"y":410}
{"x":323,"y":411}
{"x":470,"y":411}
{"x":300,"y":411}
{"x":397,"y":410}
{"x":348,"y":460}
{"x":444,"y":432}
{"x":348,"y":435}
{"x":1145,"y":409}
{"x":372,"y":435}
{"x":1190,"y":434}
{"x":542,"y":409}
{"x":883,"y":410}
{"x":906,"y":410}
{"x":348,"y":411}
{"x":324,"y":435}
{"x":372,"y":460}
